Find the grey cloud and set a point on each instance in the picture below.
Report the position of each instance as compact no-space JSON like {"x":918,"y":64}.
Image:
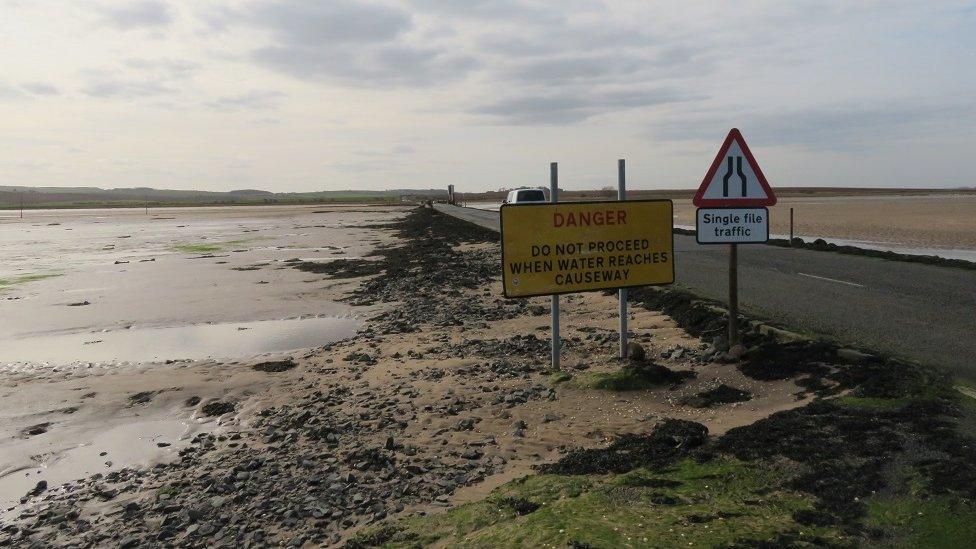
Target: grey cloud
{"x":398,"y":150}
{"x":247,"y":101}
{"x":26,"y":90}
{"x":351,"y":42}
{"x":566,"y":69}
{"x":567,"y":107}
{"x":858,"y":127}
{"x":139,"y":14}
{"x":838,"y":127}
{"x":9,"y":92}
{"x":105,"y":85}
{"x":138,"y":78}
{"x":170,"y":68}
{"x":499,"y":9}
{"x":335,"y":21}
{"x":40,"y":88}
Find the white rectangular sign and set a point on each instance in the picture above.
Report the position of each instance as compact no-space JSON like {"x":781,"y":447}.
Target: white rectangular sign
{"x":732,"y":225}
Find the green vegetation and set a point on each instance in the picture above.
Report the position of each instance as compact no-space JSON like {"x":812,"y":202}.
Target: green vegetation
{"x":689,"y":504}
{"x":556,"y":378}
{"x":873,"y":403}
{"x":211,"y":247}
{"x":197,"y":248}
{"x":913,"y":522}
{"x":620,"y":380}
{"x":630,"y":378}
{"x":5,"y":283}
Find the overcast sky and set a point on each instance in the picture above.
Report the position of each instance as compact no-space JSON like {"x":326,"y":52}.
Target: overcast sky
{"x":337,"y":94}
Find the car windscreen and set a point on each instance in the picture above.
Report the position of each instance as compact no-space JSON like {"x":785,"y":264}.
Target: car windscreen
{"x":531,"y":196}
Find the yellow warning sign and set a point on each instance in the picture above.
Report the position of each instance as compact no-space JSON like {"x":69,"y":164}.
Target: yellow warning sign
{"x":584,"y":246}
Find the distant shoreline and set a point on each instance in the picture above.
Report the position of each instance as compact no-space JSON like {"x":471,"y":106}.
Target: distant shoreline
{"x":48,"y":198}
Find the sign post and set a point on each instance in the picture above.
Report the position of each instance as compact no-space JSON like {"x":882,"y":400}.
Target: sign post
{"x":557,"y":248}
{"x":554,"y":197}
{"x":622,"y":293}
{"x":732,"y":202}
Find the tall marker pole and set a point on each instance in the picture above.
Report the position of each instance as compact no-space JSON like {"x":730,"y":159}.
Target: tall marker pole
{"x":554,"y":197}
{"x":791,"y":227}
{"x":733,"y":294}
{"x":622,"y":293}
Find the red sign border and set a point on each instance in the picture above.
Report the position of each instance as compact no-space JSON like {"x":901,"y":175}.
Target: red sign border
{"x":701,"y":202}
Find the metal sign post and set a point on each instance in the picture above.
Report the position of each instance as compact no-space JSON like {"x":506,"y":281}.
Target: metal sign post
{"x":554,"y":197}
{"x":558,"y":248}
{"x":622,"y":293}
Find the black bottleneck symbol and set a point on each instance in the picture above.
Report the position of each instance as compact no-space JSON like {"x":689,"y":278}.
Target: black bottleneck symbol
{"x":728,"y":175}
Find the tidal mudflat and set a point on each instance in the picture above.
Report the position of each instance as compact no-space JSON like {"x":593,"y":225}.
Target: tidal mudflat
{"x":112,"y":320}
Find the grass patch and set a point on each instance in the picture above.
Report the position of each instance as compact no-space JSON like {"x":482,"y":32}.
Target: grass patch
{"x":631,"y":378}
{"x":872,"y":403}
{"x":197,"y":248}
{"x":7,"y":282}
{"x":936,"y":522}
{"x":710,"y":504}
{"x":211,"y":247}
{"x":559,"y":377}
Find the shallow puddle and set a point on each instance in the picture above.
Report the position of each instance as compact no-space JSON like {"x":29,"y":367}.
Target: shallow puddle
{"x":131,"y":444}
{"x":226,"y":340}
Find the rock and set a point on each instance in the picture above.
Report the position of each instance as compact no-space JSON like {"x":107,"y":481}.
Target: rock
{"x":34,"y":430}
{"x":736,"y":351}
{"x":217,"y":408}
{"x":518,"y":428}
{"x":129,"y":542}
{"x":783,"y":336}
{"x":719,"y":343}
{"x":38,"y":489}
{"x":852,"y":356}
{"x":275,"y":365}
{"x":548,"y":418}
{"x":635,"y":352}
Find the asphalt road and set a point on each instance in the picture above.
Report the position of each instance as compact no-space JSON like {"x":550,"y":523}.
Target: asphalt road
{"x":922,"y":312}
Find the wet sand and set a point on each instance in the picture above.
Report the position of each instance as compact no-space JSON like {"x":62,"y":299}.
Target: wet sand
{"x":112,"y":270}
{"x":99,"y":361}
{"x":926,"y":222}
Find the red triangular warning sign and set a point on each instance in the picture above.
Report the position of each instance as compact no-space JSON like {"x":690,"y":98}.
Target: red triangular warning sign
{"x":734,"y":179}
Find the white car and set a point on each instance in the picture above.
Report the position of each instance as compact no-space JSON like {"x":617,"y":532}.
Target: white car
{"x":526,"y":196}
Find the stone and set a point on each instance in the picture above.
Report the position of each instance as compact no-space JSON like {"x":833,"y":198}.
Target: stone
{"x":737,"y":351}
{"x":635,"y":352}
{"x":852,"y":356}
{"x":719,"y":343}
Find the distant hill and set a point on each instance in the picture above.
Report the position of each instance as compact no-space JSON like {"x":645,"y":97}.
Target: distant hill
{"x":12,"y":197}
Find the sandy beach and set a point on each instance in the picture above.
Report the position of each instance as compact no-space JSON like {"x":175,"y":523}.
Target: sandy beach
{"x":931,"y":222}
